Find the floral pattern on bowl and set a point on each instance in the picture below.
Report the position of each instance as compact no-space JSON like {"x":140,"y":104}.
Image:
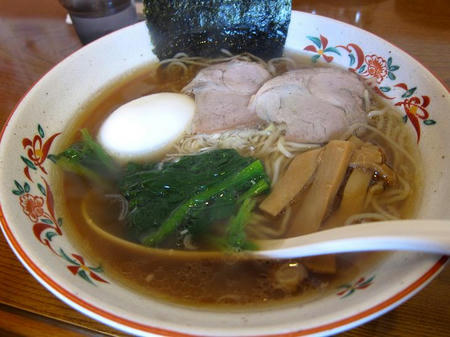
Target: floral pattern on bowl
{"x":39,"y":208}
{"x":379,"y":73}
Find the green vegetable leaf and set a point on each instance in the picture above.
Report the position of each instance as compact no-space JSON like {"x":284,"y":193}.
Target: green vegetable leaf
{"x":236,"y":238}
{"x":87,"y":158}
{"x":193,"y":193}
{"x":201,"y":199}
{"x":258,"y":188}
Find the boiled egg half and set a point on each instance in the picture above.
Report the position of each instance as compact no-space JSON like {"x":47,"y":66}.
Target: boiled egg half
{"x":147,"y":126}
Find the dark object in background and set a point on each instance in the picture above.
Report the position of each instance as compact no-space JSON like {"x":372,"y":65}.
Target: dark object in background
{"x":204,"y":27}
{"x":94,"y":18}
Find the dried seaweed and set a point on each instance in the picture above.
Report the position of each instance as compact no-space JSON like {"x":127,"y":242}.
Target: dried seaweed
{"x":204,"y":27}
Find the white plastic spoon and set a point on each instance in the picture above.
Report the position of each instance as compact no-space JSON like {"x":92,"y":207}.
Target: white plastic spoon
{"x":431,"y":236}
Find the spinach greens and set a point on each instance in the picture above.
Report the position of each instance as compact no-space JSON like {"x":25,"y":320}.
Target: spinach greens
{"x":168,"y":199}
{"x":191,"y":194}
{"x":88,"y":159}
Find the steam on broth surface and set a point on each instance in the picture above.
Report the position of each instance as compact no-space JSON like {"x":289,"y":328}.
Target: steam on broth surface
{"x":226,"y":278}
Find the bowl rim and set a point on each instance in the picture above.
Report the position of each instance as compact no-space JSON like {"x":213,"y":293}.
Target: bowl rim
{"x":119,"y":322}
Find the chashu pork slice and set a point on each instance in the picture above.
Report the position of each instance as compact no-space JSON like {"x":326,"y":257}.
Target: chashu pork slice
{"x":316,"y":104}
{"x":222,"y":93}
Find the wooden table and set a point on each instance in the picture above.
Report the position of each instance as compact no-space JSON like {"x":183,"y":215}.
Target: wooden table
{"x":34,"y":37}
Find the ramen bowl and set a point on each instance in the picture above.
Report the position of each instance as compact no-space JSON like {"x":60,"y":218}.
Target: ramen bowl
{"x":35,"y":229}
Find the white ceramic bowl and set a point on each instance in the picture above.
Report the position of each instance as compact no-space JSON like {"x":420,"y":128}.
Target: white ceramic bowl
{"x":35,"y":233}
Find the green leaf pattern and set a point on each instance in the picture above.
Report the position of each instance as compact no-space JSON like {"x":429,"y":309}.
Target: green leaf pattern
{"x":41,"y":131}
{"x":315,"y":40}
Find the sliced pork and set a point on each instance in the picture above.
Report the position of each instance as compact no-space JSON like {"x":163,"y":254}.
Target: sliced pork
{"x":316,"y":104}
{"x":222,"y":93}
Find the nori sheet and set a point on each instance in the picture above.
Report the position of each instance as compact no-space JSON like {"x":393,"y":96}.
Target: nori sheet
{"x":204,"y":27}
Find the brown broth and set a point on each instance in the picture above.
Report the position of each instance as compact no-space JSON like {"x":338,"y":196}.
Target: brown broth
{"x":219,"y":280}
{"x":225,"y":281}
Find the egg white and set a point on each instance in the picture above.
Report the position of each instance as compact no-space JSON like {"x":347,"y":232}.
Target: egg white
{"x":145,"y":127}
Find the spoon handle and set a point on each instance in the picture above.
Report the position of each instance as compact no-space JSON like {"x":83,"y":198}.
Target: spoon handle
{"x":431,"y":236}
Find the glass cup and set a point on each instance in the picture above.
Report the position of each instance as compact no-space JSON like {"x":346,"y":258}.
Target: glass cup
{"x":95,"y":18}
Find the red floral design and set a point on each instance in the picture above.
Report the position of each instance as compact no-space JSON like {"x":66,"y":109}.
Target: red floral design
{"x":37,"y":152}
{"x":40,"y":210}
{"x":378,"y":70}
{"x":346,"y":290}
{"x":415,"y":109}
{"x":321,"y":43}
{"x":32,"y":206}
{"x":376,"y":67}
{"x":80,"y":268}
{"x":352,"y":50}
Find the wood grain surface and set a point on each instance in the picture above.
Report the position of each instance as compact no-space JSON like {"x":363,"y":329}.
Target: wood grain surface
{"x":34,"y":37}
